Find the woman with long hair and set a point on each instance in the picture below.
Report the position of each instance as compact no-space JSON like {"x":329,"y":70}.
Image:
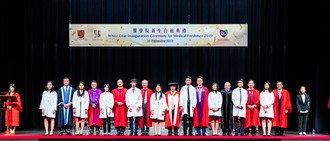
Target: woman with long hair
{"x":215,"y":103}
{"x":266,"y":110}
{"x":80,"y":104}
{"x":48,"y":107}
{"x":157,"y":109}
{"x":12,"y":109}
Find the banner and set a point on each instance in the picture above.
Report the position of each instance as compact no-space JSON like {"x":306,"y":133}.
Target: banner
{"x":158,"y":35}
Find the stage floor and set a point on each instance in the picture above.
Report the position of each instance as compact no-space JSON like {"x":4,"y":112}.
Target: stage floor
{"x":35,"y":135}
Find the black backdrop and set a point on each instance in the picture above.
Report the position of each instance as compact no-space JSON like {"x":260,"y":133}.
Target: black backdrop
{"x":287,"y":41}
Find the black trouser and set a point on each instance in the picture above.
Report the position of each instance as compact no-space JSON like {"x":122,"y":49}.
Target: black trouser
{"x":253,"y":130}
{"x":145,"y":128}
{"x":106,"y":122}
{"x":170,"y":130}
{"x":65,"y":129}
{"x":136,"y":121}
{"x":241,"y":127}
{"x":279,"y":131}
{"x":302,"y":122}
{"x":91,"y":130}
{"x":186,"y":125}
{"x":120,"y":130}
{"x":226,"y":125}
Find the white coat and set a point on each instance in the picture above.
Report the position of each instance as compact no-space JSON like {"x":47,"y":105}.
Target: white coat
{"x":133,"y":101}
{"x":236,"y":101}
{"x":215,"y":101}
{"x":184,"y":98}
{"x":49,"y":104}
{"x":80,"y":103}
{"x":158,"y":106}
{"x":106,"y":105}
{"x":267,"y":99}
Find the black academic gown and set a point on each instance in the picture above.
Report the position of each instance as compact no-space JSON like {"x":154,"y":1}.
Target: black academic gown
{"x":64,"y":118}
{"x":226,"y":111}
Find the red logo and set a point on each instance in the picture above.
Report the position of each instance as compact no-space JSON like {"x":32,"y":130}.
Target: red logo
{"x":81,"y":33}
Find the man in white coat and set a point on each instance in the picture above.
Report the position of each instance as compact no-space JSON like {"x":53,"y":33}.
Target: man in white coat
{"x":134,"y":105}
{"x":239,"y":98}
{"x":187,"y":104}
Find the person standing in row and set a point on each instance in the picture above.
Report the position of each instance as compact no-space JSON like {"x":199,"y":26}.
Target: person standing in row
{"x":12,"y":109}
{"x":172,"y":115}
{"x":227,"y":109}
{"x":94,"y":120}
{"x":48,"y":107}
{"x":120,"y":108}
{"x":266,"y":108}
{"x":134,"y":105}
{"x":187,"y":105}
{"x":106,"y":105}
{"x":64,"y":112}
{"x":215,"y":103}
{"x":252,"y":109}
{"x":303,"y":106}
{"x":80,"y":105}
{"x":157,"y":109}
{"x":201,"y":112}
{"x":282,"y":106}
{"x":239,"y":99}
{"x":145,"y":119}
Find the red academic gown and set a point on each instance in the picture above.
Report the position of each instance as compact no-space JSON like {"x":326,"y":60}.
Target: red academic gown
{"x":12,"y":116}
{"x":149,"y":93}
{"x":120,"y":112}
{"x":202,"y":110}
{"x":94,"y":114}
{"x":252,"y":116}
{"x":280,"y":117}
{"x":168,"y":113}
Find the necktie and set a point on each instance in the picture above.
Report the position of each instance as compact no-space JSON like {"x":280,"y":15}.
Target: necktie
{"x":172,"y":93}
{"x":133,"y":90}
{"x":188,"y":101}
{"x":66,"y":95}
{"x":251,"y":98}
{"x":66,"y":91}
{"x":240,"y":96}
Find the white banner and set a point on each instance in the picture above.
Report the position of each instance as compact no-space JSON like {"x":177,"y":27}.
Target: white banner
{"x":158,"y":35}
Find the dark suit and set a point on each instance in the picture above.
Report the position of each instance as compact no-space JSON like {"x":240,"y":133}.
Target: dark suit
{"x":302,"y":106}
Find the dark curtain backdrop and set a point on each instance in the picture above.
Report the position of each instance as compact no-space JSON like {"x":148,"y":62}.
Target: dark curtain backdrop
{"x":287,"y":41}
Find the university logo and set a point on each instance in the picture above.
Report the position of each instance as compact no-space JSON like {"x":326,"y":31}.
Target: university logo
{"x":223,"y":33}
{"x":97,"y":33}
{"x":81,"y":33}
